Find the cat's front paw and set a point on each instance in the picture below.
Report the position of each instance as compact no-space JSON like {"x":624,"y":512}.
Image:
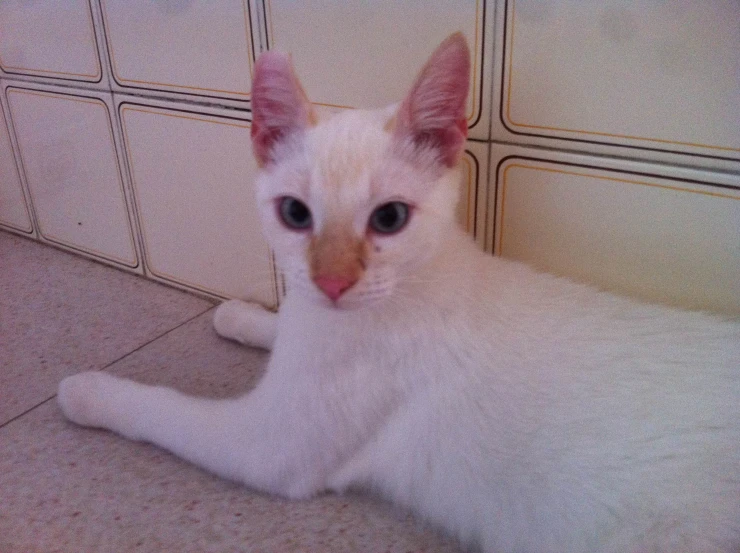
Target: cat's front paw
{"x":247,"y":323}
{"x":230,"y":319}
{"x":82,"y":397}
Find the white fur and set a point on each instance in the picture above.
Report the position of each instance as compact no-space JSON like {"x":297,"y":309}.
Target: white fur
{"x":520,"y":411}
{"x":259,"y":331}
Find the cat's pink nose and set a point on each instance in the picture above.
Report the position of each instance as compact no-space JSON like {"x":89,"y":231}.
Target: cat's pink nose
{"x":333,"y":286}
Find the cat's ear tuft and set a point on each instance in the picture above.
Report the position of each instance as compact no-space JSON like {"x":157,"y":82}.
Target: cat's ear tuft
{"x":280,"y":107}
{"x":433,"y":113}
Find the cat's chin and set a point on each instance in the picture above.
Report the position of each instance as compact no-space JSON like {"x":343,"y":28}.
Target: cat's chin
{"x":349,"y":303}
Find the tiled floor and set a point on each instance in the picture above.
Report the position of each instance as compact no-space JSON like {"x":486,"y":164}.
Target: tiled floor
{"x":69,"y":489}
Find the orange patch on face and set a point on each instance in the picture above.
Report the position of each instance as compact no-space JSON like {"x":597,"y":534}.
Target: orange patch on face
{"x":337,"y":253}
{"x":390,"y":125}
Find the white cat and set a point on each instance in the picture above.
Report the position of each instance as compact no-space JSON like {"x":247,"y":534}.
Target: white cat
{"x":520,"y":411}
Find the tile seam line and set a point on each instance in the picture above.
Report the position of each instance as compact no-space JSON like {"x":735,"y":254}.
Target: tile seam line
{"x":110,"y":364}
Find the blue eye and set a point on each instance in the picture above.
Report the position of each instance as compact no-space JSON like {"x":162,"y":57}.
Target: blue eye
{"x":389,"y":218}
{"x":294,"y":213}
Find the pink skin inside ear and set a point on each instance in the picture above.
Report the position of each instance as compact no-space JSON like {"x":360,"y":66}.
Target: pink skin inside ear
{"x":333,"y":286}
{"x":433,"y":113}
{"x":279,"y":105}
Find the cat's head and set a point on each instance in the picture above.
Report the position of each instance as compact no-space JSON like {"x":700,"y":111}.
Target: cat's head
{"x":357,"y":204}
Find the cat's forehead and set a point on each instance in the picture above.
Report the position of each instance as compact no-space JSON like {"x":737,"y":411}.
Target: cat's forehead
{"x":347,"y":147}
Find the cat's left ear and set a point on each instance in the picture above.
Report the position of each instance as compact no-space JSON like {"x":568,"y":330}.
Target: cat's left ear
{"x":433,"y":113}
{"x":280,"y":107}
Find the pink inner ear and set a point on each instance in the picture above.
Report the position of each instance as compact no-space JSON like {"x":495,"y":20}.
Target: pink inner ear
{"x":433,"y":113}
{"x":264,"y":141}
{"x":279,"y":105}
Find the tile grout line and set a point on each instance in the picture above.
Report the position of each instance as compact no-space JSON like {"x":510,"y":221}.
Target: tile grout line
{"x":15,"y":418}
{"x":122,"y":357}
{"x":110,"y":364}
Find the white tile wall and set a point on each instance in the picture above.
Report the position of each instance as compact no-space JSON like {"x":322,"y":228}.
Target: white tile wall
{"x":654,"y":80}
{"x":54,"y":42}
{"x":656,"y":232}
{"x":70,"y":159}
{"x":192,"y":175}
{"x":605,"y":137}
{"x":472,"y":207}
{"x":364,"y":54}
{"x":203,"y":49}
{"x":14,"y":212}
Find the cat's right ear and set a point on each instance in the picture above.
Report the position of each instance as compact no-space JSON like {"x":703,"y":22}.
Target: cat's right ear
{"x":280,"y":107}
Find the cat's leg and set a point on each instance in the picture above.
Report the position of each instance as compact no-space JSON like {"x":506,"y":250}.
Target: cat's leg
{"x":246,"y":439}
{"x":247,"y":323}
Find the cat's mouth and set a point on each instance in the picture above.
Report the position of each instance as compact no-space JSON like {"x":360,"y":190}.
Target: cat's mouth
{"x":338,"y":293}
{"x":343,"y":303}
{"x":354,"y":298}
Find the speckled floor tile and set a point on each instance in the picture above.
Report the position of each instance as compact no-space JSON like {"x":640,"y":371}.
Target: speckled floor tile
{"x":70,"y":489}
{"x":60,"y":314}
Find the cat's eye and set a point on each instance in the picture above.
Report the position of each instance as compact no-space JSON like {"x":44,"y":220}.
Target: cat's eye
{"x":389,"y":218}
{"x":294,"y":213}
